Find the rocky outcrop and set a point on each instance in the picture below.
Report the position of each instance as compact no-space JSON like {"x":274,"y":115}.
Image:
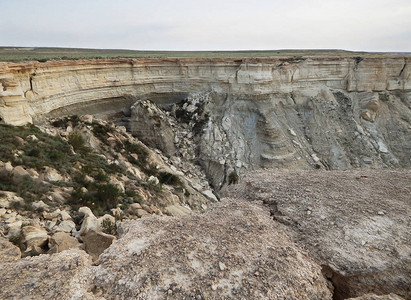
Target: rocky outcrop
{"x":60,"y":276}
{"x":8,"y":251}
{"x":233,"y":251}
{"x":30,"y":90}
{"x":354,"y":223}
{"x":246,"y":114}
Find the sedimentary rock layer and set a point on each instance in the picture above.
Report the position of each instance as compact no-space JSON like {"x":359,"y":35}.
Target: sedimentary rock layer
{"x":31,"y":90}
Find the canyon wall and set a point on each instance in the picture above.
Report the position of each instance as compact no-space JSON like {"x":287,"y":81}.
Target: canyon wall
{"x":302,"y":113}
{"x":29,"y":90}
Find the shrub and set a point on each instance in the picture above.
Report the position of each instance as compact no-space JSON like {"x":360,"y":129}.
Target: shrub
{"x":109,"y":227}
{"x":108,"y":194}
{"x":168,"y":178}
{"x":77,"y":141}
{"x":101,"y":130}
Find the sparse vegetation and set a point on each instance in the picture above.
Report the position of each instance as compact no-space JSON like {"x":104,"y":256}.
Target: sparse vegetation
{"x":109,"y":227}
{"x":14,"y":54}
{"x":76,"y":140}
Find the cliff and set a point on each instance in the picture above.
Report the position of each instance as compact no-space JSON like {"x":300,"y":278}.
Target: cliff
{"x":242,"y":114}
{"x":29,"y":90}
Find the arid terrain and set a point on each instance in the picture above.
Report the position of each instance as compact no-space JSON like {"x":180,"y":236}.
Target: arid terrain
{"x":266,"y":175}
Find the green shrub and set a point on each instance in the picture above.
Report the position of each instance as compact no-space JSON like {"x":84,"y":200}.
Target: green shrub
{"x":76,"y":140}
{"x":109,"y":227}
{"x":168,"y":178}
{"x":108,"y":195}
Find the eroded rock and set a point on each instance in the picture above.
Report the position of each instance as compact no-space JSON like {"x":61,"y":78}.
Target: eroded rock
{"x":8,"y":251}
{"x":61,"y":241}
{"x":233,"y":251}
{"x":61,"y":276}
{"x":355,"y":223}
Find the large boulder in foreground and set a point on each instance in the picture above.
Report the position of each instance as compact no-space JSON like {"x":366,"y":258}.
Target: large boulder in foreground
{"x":233,"y":251}
{"x":356,"y":223}
{"x":61,"y":276}
{"x":8,"y":251}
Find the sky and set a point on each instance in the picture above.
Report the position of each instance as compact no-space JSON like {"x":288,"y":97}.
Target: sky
{"x":358,"y":25}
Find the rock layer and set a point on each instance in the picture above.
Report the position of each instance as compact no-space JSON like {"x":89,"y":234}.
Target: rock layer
{"x":31,"y":89}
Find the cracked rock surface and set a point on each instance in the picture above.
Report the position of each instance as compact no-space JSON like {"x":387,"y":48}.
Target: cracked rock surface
{"x":354,"y":223}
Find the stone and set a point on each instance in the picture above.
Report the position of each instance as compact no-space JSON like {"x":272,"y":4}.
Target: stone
{"x":119,"y":184}
{"x":8,"y":251}
{"x":66,"y":226}
{"x":382,"y":147}
{"x":194,"y":247}
{"x":89,"y":221}
{"x":210,"y":195}
{"x":51,"y":175}
{"x":19,"y":174}
{"x":61,"y":241}
{"x":63,"y":275}
{"x":51,"y":215}
{"x":34,"y":236}
{"x":177,"y":210}
{"x":32,"y":138}
{"x":20,"y":142}
{"x":59,"y":197}
{"x":65,"y":216}
{"x":139,"y":212}
{"x":39,"y":205}
{"x":5,"y":170}
{"x":153,"y":180}
{"x":105,"y":218}
{"x":96,"y":242}
{"x":10,"y":199}
{"x":86,"y":118}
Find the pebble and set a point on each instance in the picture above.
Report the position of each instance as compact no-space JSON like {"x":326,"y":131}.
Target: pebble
{"x":222,"y":266}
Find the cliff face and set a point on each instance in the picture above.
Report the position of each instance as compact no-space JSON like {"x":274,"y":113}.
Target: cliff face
{"x":30,"y":90}
{"x":331,"y":113}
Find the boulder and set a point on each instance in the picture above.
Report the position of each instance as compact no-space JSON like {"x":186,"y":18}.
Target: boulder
{"x":61,"y":241}
{"x":34,"y":236}
{"x":86,"y":118}
{"x":177,"y":210}
{"x":89,"y":221}
{"x":8,"y":251}
{"x":63,"y":275}
{"x":96,"y":242}
{"x":51,"y":175}
{"x":39,"y":206}
{"x":19,"y":174}
{"x":232,"y":251}
{"x":10,"y":199}
{"x":19,"y":142}
{"x":5,"y":170}
{"x":150,"y":125}
{"x":66,"y":226}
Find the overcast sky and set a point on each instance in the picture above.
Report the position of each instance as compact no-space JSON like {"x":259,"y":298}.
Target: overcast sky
{"x":369,"y":25}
